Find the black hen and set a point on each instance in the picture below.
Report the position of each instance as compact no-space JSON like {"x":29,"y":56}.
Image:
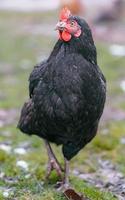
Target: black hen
{"x":67,"y":93}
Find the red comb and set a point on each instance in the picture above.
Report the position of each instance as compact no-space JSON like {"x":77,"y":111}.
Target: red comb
{"x":65,"y":14}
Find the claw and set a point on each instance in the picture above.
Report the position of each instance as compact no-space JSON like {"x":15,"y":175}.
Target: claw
{"x":62,"y":186}
{"x":53,"y":165}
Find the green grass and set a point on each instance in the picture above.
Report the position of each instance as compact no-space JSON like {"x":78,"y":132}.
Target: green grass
{"x":20,"y":49}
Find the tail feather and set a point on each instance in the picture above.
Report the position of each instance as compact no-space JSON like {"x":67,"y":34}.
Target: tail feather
{"x":26,"y":118}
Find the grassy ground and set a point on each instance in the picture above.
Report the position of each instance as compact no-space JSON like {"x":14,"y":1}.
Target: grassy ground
{"x":25,"y":39}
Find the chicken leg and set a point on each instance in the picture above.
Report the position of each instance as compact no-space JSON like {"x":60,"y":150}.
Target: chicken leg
{"x":64,"y":184}
{"x":66,"y":173}
{"x":52,"y":162}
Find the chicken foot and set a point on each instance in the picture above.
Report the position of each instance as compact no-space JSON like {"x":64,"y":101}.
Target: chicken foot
{"x":52,"y":162}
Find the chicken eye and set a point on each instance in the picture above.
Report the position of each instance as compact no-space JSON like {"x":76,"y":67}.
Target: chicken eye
{"x":72,"y":23}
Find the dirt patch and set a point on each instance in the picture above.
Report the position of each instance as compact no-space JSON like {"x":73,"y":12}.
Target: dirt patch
{"x":106,"y":178}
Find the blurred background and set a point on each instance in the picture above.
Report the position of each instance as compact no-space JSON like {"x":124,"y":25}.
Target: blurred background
{"x":27,"y":36}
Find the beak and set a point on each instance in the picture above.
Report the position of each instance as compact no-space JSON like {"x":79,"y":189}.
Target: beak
{"x":60,"y":26}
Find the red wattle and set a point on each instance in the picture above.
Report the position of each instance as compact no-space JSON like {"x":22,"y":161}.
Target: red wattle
{"x":66,"y":36}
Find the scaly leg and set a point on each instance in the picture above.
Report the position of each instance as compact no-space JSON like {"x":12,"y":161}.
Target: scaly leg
{"x":53,"y":162}
{"x":66,"y":173}
{"x":64,"y":185}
